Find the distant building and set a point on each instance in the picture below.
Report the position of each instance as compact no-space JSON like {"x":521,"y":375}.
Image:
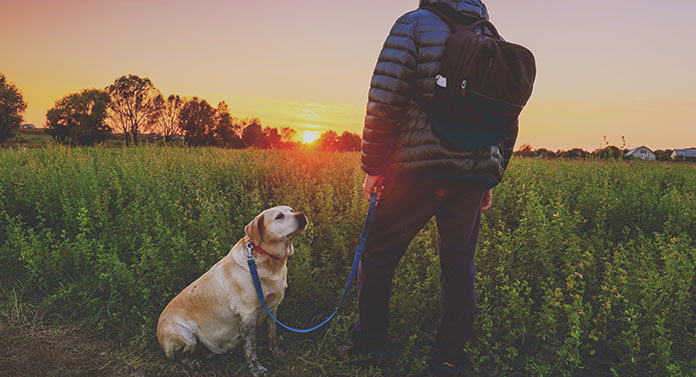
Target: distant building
{"x":27,"y":126}
{"x":684,"y":154}
{"x":641,"y":153}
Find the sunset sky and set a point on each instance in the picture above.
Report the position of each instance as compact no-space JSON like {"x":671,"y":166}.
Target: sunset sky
{"x":605,"y":68}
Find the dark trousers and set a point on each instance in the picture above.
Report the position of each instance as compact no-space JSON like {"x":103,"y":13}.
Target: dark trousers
{"x":405,"y":207}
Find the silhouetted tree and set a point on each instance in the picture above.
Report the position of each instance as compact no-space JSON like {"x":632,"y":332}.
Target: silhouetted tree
{"x":272,"y":138}
{"x":525,"y":150}
{"x":328,"y":141}
{"x":575,"y":153}
{"x":543,"y":152}
{"x":349,"y":142}
{"x":80,"y":118}
{"x":166,"y":115}
{"x":253,"y":135}
{"x":12,"y":106}
{"x":198,"y":122}
{"x":610,"y":152}
{"x":227,"y":129}
{"x":287,"y":135}
{"x":132,"y":105}
{"x":663,"y":154}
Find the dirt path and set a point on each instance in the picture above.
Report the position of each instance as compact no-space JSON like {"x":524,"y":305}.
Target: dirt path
{"x":38,"y":350}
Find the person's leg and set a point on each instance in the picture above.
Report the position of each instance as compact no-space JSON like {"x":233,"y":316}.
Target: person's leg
{"x":405,"y":207}
{"x":458,"y":224}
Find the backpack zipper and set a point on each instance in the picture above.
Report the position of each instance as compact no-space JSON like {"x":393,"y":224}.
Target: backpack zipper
{"x":494,"y":99}
{"x":488,"y":72}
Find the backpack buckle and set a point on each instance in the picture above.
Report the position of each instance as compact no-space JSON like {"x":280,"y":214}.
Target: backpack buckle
{"x":464,"y":84}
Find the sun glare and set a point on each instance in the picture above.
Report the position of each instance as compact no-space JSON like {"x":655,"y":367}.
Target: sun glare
{"x":310,"y":136}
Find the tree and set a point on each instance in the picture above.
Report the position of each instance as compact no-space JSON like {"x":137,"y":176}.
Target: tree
{"x":12,"y":106}
{"x":132,"y":105}
{"x":166,"y":115}
{"x":287,"y":135}
{"x":227,"y":129}
{"x":575,"y":153}
{"x":543,"y":152}
{"x":253,"y":135}
{"x":198,"y":122}
{"x":663,"y":154}
{"x":611,"y":153}
{"x":349,"y":142}
{"x":328,"y":141}
{"x":80,"y":118}
{"x":525,"y":150}
{"x":273,"y":139}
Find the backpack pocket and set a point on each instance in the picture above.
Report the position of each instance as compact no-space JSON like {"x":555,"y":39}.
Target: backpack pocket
{"x":475,"y":121}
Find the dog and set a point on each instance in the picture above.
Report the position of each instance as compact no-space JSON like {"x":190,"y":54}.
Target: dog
{"x":221,"y":308}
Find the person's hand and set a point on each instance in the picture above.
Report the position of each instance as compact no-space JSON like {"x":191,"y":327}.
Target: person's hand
{"x":373,"y":183}
{"x":486,"y":202}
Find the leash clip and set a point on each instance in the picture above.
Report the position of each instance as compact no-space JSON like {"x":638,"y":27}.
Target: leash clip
{"x":250,"y":247}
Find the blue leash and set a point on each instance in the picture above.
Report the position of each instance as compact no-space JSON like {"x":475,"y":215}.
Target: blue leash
{"x":353,"y":270}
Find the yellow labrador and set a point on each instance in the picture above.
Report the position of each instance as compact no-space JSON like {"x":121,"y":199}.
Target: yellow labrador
{"x":220,"y":309}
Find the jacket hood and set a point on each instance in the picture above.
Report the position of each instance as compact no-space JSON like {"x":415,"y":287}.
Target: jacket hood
{"x":474,"y":8}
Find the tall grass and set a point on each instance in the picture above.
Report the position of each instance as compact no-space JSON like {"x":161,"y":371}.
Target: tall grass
{"x":583,"y":267}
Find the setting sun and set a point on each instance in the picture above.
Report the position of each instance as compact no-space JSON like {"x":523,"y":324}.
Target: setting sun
{"x":310,"y":136}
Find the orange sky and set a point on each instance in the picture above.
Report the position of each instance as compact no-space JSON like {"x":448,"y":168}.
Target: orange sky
{"x":606,"y":68}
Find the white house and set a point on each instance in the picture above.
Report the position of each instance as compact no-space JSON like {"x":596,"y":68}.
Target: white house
{"x":686,"y":154}
{"x":641,"y":153}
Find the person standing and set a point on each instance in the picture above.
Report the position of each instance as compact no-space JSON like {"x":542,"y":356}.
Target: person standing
{"x":417,"y":176}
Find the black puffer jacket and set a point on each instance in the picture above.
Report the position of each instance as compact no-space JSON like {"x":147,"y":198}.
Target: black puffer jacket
{"x":397,"y":137}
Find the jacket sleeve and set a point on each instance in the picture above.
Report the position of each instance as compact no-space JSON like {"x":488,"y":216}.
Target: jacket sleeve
{"x":509,"y":144}
{"x":390,"y":92}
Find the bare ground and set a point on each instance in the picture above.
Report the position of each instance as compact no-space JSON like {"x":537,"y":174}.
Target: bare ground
{"x":32,"y":346}
{"x":39,"y":350}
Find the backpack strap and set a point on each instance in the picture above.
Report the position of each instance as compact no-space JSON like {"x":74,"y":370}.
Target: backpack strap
{"x":485,"y":24}
{"x":456,"y":25}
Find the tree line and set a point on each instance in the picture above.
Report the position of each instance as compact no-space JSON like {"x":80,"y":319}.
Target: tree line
{"x":610,"y":152}
{"x":133,"y":106}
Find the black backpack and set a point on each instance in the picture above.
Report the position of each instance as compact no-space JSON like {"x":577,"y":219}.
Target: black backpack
{"x":483,"y":84}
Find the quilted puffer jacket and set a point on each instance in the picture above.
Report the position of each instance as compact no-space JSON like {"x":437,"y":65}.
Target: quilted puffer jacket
{"x":397,"y":136}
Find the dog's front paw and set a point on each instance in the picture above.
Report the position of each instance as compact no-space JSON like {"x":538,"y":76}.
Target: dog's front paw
{"x":258,"y":370}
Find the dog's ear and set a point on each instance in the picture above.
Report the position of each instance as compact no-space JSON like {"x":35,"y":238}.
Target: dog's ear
{"x":255,"y":230}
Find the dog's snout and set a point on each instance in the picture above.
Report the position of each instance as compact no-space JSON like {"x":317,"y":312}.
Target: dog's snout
{"x":301,"y":219}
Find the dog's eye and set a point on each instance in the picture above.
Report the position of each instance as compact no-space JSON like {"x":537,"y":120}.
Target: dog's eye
{"x":280,"y":216}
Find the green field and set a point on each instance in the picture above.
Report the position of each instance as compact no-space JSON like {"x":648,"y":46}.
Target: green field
{"x":39,"y":137}
{"x":584,"y":267}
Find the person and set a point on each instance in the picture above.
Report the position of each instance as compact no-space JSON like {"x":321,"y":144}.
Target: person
{"x":417,"y":177}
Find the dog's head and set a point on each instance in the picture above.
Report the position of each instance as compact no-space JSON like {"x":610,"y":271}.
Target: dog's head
{"x":274,"y":229}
